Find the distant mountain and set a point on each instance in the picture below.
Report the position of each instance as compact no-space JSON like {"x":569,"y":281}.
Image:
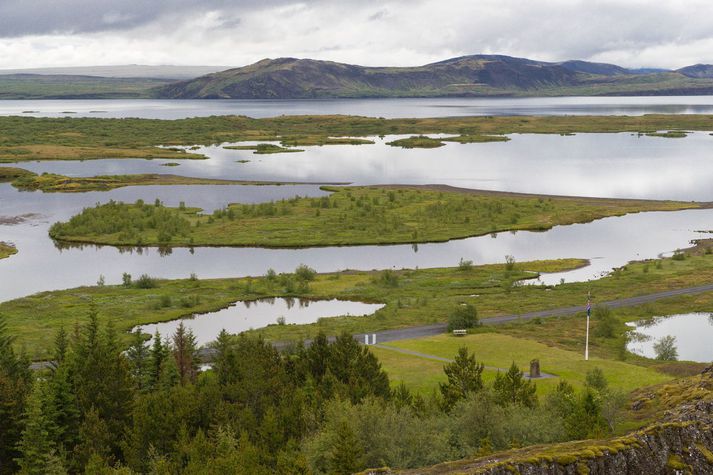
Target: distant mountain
{"x":476,"y":75}
{"x":123,"y":71}
{"x":595,"y":68}
{"x":39,"y":86}
{"x":697,"y":71}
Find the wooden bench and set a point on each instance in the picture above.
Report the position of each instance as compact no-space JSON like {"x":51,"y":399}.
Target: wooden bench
{"x":460,"y":332}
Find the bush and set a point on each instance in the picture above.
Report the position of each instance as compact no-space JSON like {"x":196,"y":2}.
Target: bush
{"x":595,"y":379}
{"x":665,"y":349}
{"x":126,"y":279}
{"x":387,"y":278}
{"x":605,"y":322}
{"x":463,"y":317}
{"x":145,"y":282}
{"x":305,"y":273}
{"x":465,"y":265}
{"x":509,"y":263}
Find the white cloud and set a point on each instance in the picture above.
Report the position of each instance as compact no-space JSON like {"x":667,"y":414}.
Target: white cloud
{"x":668,"y":33}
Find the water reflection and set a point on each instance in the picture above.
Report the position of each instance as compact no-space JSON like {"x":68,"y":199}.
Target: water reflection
{"x":251,"y":314}
{"x":605,"y":165}
{"x":693,"y":333}
{"x":387,"y":107}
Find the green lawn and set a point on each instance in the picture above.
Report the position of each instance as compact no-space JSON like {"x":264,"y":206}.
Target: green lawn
{"x":499,"y":350}
{"x":349,"y":216}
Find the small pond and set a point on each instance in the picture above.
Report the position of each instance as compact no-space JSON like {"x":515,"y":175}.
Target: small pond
{"x":693,"y":333}
{"x":247,"y":315}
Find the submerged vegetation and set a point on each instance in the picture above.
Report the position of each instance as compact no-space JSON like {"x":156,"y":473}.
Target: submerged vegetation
{"x":350,"y":216}
{"x":27,"y":138}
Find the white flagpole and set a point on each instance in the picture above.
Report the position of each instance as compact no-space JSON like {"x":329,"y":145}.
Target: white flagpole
{"x":586,"y":345}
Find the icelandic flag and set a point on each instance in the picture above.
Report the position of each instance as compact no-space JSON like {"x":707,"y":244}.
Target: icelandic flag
{"x":589,"y":308}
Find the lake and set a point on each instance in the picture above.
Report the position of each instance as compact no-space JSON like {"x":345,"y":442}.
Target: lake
{"x":608,"y":165}
{"x":620,"y":165}
{"x":693,"y":333}
{"x":388,"y":107}
{"x":608,"y":242}
{"x":247,"y":315}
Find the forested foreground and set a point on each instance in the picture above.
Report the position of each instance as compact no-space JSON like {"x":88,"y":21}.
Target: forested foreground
{"x":325,"y":408}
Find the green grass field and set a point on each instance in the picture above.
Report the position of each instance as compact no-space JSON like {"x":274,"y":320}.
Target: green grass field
{"x":411,"y":298}
{"x":500,"y":350}
{"x":349,"y":216}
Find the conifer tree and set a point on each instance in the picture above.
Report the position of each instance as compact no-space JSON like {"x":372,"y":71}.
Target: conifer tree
{"x":139,"y":360}
{"x":513,"y":388}
{"x":347,"y":452}
{"x":465,"y":377}
{"x":184,"y":353}
{"x":15,"y":385}
{"x":38,"y":450}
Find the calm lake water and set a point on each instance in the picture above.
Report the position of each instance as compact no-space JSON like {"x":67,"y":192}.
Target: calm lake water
{"x":612,"y":165}
{"x":693,"y":332}
{"x":247,"y":315}
{"x":607,"y":165}
{"x":389,"y":108}
{"x":609,"y":243}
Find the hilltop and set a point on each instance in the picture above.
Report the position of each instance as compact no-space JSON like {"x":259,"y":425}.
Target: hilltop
{"x":475,"y":75}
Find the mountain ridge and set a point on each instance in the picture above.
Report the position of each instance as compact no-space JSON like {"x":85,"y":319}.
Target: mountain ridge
{"x":471,"y":75}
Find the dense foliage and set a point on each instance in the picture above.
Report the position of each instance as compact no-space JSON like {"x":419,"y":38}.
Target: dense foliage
{"x":325,"y":408}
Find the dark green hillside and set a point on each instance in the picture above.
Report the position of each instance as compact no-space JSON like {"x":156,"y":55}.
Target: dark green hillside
{"x":476,"y":75}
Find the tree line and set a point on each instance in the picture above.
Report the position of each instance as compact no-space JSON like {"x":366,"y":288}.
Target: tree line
{"x":326,"y":407}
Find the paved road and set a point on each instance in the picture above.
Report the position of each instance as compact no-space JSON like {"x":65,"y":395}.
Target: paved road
{"x":438,"y":328}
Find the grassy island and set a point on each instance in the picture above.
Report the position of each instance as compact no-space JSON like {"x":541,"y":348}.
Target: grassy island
{"x":50,"y":182}
{"x":7,"y":250}
{"x":349,"y":216}
{"x":263,"y":148}
{"x":28,"y":138}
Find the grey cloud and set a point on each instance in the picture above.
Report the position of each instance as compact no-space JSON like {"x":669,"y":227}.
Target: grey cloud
{"x":40,"y":17}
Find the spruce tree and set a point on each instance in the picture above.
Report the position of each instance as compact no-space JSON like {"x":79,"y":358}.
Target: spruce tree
{"x":465,"y":377}
{"x":38,"y":450}
{"x":139,"y":360}
{"x":15,"y":385}
{"x":347,"y":451}
{"x":513,"y":388}
{"x":184,"y":353}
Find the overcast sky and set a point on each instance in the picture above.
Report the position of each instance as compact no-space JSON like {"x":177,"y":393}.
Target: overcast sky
{"x":634,"y":33}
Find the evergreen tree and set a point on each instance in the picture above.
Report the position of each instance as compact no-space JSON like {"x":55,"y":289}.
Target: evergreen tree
{"x":95,"y":439}
{"x":157,"y":356}
{"x":513,"y":388}
{"x":224,"y":363}
{"x":139,"y":360}
{"x":60,"y":346}
{"x":63,"y":410}
{"x":15,"y":385}
{"x":465,"y":377}
{"x":38,"y":451}
{"x":101,"y":378}
{"x":184,"y":353}
{"x":347,"y":454}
